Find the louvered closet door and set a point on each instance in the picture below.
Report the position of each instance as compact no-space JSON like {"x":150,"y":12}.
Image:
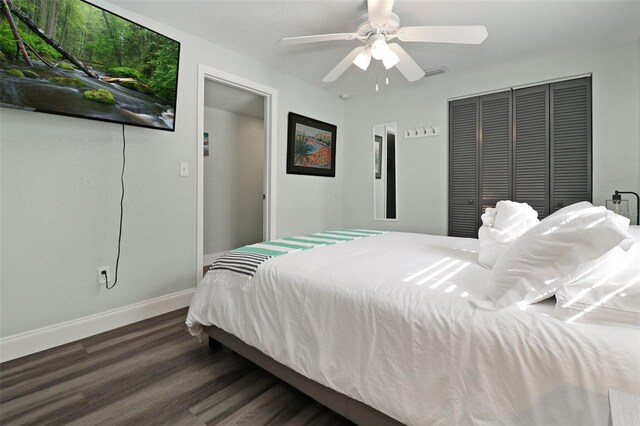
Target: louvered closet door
{"x":495,"y":148}
{"x":531,"y":148}
{"x":463,"y":168}
{"x":570,"y":142}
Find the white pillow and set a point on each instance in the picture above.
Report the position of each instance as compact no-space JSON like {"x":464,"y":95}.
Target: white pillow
{"x":494,"y":240}
{"x":540,"y":261}
{"x":623,"y":221}
{"x":570,"y":208}
{"x":609,"y":293}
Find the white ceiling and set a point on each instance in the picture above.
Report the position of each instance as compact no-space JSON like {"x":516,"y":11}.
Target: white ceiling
{"x":227,"y":98}
{"x":516,"y":29}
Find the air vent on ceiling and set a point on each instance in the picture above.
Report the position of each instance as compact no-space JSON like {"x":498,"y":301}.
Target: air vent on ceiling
{"x":435,"y":71}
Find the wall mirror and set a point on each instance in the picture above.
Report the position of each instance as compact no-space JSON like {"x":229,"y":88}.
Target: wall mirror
{"x":385,"y":189}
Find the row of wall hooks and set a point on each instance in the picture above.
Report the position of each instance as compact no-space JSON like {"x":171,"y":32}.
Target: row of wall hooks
{"x":421,"y":132}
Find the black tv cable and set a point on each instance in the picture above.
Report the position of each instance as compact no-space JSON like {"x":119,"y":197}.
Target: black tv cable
{"x":124,"y":146}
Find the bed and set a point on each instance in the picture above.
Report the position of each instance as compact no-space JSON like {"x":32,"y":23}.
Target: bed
{"x":390,"y":323}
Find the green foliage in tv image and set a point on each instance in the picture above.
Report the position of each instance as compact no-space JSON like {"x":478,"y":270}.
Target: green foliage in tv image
{"x":137,"y":65}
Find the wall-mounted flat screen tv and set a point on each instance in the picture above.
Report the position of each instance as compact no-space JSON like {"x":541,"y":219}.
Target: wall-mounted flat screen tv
{"x":72,"y":58}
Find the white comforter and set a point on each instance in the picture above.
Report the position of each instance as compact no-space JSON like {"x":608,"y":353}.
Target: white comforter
{"x":387,"y":320}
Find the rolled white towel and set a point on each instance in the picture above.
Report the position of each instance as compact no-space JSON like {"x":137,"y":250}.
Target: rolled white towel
{"x":492,"y":243}
{"x":489,"y":216}
{"x":515,"y":218}
{"x":501,"y":226}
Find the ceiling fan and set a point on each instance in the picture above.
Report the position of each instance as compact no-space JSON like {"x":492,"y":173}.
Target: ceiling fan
{"x":377,"y":27}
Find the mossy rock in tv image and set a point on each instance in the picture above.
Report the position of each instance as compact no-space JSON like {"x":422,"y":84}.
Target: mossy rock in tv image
{"x":67,"y":81}
{"x":137,"y":86}
{"x":16,"y":73}
{"x":66,"y":66}
{"x":29,"y":74}
{"x":100,"y":95}
{"x":2,"y":56}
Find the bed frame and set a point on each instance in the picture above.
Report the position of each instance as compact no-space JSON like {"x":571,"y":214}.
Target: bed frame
{"x":347,"y":407}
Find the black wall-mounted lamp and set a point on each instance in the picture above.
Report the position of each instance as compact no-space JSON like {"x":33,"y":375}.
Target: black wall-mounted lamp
{"x":620,"y":206}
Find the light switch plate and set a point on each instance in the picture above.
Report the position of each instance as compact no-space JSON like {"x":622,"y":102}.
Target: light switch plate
{"x":184,"y":169}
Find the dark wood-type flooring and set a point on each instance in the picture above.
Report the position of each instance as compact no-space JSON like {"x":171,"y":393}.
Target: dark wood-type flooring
{"x":149,"y":373}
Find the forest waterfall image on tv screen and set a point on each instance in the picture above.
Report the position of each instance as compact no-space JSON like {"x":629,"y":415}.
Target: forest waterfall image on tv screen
{"x":72,"y":58}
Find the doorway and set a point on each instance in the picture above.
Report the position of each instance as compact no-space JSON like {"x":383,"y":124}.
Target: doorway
{"x":233,"y":169}
{"x":236,"y":180}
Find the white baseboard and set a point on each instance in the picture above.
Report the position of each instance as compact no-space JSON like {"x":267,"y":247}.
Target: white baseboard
{"x":43,"y":338}
{"x":208,"y":259}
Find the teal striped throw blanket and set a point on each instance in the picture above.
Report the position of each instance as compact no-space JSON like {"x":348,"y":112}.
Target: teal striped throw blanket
{"x":243,"y":263}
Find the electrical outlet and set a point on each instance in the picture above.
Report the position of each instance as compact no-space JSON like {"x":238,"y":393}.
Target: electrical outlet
{"x":102,"y":277}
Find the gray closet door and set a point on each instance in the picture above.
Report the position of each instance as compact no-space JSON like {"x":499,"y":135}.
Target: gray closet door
{"x":495,"y":138}
{"x":529,"y":145}
{"x":531,"y":148}
{"x":570,"y":142}
{"x":463,"y":168}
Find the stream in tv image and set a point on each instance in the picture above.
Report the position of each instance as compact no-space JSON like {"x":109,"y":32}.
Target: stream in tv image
{"x":70,"y":57}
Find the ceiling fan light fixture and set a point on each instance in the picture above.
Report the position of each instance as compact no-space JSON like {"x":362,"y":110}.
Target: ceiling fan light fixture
{"x":379,"y":46}
{"x":363,"y":59}
{"x":390,"y":59}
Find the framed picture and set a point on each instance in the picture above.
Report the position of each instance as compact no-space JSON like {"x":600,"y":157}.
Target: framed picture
{"x":311,"y":147}
{"x":206,"y":144}
{"x":377,"y":156}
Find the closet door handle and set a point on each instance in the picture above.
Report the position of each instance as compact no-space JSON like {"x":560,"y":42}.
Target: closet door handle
{"x":470,"y":201}
{"x":560,"y":204}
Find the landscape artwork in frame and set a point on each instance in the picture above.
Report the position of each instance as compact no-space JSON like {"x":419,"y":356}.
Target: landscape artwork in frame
{"x":311,"y":147}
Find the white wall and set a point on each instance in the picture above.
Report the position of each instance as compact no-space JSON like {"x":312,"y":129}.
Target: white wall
{"x":422,"y":163}
{"x":233,"y":180}
{"x":60,"y":192}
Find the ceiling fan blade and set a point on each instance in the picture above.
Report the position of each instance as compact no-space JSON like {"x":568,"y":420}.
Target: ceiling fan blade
{"x":472,"y":34}
{"x":406,"y":65}
{"x":379,"y":11}
{"x":343,"y":65}
{"x":317,"y":38}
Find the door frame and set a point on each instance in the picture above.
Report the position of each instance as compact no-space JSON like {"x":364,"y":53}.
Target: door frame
{"x":270,"y":95}
{"x":393,"y":124}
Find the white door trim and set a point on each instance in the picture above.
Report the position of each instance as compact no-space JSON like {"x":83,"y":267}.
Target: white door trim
{"x":270,"y":166}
